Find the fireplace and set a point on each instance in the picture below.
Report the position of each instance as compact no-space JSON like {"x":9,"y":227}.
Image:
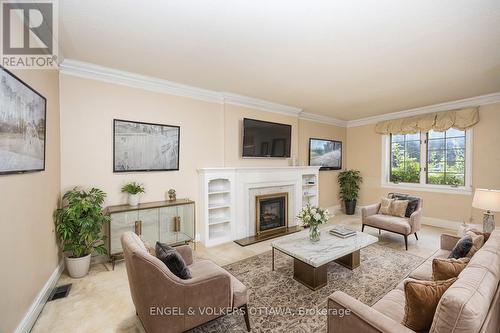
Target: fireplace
{"x":271,"y":213}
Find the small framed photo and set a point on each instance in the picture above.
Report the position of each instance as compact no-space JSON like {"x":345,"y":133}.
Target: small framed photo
{"x":325,"y":153}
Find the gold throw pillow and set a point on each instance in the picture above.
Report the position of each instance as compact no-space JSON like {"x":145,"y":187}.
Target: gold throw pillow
{"x":444,"y":269}
{"x":422,"y":298}
{"x":398,"y":207}
{"x":385,"y":206}
{"x":477,"y":242}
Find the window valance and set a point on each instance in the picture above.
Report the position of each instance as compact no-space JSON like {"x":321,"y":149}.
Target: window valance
{"x":439,"y":121}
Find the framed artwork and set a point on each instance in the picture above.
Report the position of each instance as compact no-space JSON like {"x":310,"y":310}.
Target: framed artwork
{"x":325,"y":153}
{"x":23,"y":114}
{"x":139,"y":146}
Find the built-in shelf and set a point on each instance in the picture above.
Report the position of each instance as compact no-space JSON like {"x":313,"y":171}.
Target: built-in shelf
{"x":218,"y":206}
{"x":219,"y":192}
{"x":219,"y":220}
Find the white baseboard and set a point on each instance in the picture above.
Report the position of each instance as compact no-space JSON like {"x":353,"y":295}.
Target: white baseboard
{"x":36,"y":307}
{"x":432,"y":221}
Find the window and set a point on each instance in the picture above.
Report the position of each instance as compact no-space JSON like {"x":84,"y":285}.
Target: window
{"x":435,"y":160}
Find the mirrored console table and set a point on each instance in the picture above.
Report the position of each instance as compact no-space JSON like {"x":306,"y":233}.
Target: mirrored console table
{"x":170,"y":222}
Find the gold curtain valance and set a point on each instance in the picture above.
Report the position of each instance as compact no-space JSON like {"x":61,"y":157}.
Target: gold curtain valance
{"x":439,"y":121}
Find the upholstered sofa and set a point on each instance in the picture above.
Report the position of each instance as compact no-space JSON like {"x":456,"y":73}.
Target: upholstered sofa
{"x":470,"y":305}
{"x":404,"y":226}
{"x":166,"y":303}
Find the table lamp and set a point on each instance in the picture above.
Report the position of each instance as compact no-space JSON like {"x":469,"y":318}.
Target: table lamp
{"x":488,"y":200}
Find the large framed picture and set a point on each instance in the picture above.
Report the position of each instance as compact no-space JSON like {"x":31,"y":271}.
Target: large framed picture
{"x":22,"y":126}
{"x":139,"y":146}
{"x":325,"y":153}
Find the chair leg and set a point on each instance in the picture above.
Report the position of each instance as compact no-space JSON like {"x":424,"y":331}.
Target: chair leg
{"x":416,"y":236}
{"x":247,"y":319}
{"x":406,"y":242}
{"x":379,"y":231}
{"x":362,"y":228}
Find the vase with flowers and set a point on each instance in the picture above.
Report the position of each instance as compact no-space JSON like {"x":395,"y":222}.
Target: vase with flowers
{"x":313,"y":217}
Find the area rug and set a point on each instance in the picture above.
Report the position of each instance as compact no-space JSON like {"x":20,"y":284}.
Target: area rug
{"x":278,"y":303}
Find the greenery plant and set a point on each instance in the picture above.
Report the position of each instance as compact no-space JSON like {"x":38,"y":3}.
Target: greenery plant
{"x":79,"y":222}
{"x":349,"y":184}
{"x":133,"y":188}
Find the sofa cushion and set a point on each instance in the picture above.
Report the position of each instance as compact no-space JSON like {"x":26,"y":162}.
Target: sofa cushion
{"x":424,"y":271}
{"x":392,"y":223}
{"x":392,"y":305}
{"x":412,"y":202}
{"x":462,"y":247}
{"x":444,"y":269}
{"x":398,"y":208}
{"x":421,"y":301}
{"x":385,"y":206}
{"x":173,"y":260}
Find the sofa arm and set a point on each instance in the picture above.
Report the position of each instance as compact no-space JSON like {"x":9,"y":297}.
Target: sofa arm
{"x":360,"y":318}
{"x":415,"y":218}
{"x":369,"y":210}
{"x":448,"y":241}
{"x":186,"y":253}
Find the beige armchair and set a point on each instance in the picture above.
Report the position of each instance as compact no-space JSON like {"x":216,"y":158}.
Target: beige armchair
{"x":399,"y":225}
{"x":166,"y":303}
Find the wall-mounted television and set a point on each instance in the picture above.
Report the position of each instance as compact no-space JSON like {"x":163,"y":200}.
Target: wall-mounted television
{"x":266,"y":139}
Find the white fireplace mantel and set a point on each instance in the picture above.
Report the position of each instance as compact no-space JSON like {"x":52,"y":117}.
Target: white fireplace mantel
{"x":227,"y":197}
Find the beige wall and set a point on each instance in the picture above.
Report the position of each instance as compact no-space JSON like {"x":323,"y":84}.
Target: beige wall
{"x":328,"y":188}
{"x":27,"y":201}
{"x":210,"y":137}
{"x":364,"y":147}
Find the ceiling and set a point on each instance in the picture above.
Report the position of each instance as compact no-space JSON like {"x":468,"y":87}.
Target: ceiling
{"x":343,"y":59}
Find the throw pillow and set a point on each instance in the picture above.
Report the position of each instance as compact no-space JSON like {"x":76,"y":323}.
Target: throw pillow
{"x":477,"y":243}
{"x":398,"y":208}
{"x":173,"y":260}
{"x":486,"y":235}
{"x":385,"y":206}
{"x":444,"y":269}
{"x":412,"y":202}
{"x":462,"y":247}
{"x":422,"y":298}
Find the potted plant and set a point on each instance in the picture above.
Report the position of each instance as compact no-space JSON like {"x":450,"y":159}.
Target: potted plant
{"x":78,"y":226}
{"x":349,"y":183}
{"x":312,"y":217}
{"x":133,"y":190}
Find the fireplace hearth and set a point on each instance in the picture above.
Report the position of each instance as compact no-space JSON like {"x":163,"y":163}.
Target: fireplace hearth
{"x":271,"y":213}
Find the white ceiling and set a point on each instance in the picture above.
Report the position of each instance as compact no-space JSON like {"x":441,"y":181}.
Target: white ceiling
{"x":344,"y":59}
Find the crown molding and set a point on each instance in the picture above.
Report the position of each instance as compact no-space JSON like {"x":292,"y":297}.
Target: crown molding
{"x":110,"y":75}
{"x":458,"y":104}
{"x":322,"y":119}
{"x":260,"y":104}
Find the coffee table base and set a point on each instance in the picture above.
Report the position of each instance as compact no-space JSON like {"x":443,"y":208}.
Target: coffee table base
{"x":317,"y":277}
{"x":311,"y":277}
{"x":350,"y":261}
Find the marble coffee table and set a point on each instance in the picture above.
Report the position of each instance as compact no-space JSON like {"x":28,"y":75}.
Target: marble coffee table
{"x":310,"y":259}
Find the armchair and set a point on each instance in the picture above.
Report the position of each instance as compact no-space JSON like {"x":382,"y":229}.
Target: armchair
{"x":400,"y":225}
{"x":166,"y":303}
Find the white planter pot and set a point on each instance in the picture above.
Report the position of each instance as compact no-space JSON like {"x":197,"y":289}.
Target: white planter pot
{"x":78,"y":267}
{"x":133,"y":199}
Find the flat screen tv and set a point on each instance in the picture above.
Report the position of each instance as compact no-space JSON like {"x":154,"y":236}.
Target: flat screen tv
{"x":266,"y":139}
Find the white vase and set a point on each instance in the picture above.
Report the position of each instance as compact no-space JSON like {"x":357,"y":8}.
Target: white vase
{"x":133,"y":199}
{"x":78,"y":267}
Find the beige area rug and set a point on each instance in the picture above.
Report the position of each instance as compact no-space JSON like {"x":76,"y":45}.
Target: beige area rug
{"x":278,"y":303}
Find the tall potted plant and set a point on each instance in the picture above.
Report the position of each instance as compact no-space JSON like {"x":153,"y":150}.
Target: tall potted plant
{"x":78,"y":226}
{"x":349,"y":183}
{"x":133,"y":190}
